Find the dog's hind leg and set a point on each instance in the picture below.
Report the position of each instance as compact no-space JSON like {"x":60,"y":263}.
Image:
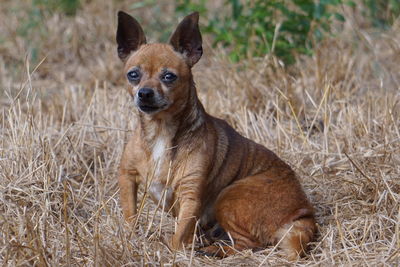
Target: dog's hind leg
{"x":265,"y":209}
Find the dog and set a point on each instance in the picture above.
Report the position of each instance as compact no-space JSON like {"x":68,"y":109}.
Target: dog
{"x":198,"y":166}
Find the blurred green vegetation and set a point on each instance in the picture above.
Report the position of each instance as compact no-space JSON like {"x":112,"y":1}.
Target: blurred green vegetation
{"x":38,"y":10}
{"x":284,"y":28}
{"x":246,"y":28}
{"x":68,"y":7}
{"x":32,"y":23}
{"x":382,"y":13}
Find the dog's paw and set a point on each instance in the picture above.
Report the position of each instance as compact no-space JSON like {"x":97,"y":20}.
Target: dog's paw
{"x":132,"y":220}
{"x":175,"y":243}
{"x":211,"y":251}
{"x":178,"y":243}
{"x":201,"y":252}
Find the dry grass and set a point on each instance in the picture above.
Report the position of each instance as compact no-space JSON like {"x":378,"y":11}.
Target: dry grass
{"x":64,"y":121}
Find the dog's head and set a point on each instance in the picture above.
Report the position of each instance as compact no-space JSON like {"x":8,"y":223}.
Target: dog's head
{"x":159,"y":74}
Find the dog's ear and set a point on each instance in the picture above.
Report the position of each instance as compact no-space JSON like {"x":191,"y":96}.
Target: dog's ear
{"x":187,"y":39}
{"x":130,"y":35}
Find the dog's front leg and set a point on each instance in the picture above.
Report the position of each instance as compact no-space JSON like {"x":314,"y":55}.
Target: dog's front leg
{"x":128,"y":194}
{"x":186,"y":223}
{"x":189,"y":208}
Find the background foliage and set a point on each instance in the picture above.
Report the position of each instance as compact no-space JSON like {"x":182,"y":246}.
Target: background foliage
{"x":250,"y":28}
{"x":285,"y":28}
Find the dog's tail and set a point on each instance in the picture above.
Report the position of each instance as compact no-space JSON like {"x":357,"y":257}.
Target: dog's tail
{"x":294,"y":236}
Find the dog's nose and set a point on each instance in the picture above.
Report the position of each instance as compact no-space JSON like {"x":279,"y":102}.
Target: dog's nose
{"x":145,"y":93}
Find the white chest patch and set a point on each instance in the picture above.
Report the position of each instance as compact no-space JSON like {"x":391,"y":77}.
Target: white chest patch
{"x":158,"y":152}
{"x":159,"y":148}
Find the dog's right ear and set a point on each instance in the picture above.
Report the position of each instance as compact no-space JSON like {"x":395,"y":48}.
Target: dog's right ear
{"x":130,"y":35}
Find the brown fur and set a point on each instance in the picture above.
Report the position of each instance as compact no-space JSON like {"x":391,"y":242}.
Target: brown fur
{"x":209,"y":171}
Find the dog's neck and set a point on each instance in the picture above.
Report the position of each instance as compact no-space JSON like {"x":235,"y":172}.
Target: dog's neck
{"x":170,"y":129}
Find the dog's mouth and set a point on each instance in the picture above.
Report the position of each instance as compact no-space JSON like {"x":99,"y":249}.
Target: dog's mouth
{"x":148,"y":108}
{"x":151,"y":109}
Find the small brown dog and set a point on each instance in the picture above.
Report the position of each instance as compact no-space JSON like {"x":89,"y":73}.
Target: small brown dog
{"x":198,"y":165}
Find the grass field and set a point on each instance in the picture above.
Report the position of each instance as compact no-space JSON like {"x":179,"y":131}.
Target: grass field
{"x":65,"y":116}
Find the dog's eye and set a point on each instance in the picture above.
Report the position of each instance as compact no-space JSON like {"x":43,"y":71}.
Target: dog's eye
{"x":133,"y":75}
{"x":168,"y":77}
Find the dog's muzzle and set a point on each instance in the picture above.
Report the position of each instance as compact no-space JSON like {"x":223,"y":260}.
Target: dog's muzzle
{"x":146,"y":100}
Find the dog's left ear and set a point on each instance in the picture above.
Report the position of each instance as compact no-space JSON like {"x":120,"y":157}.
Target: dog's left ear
{"x":187,"y":39}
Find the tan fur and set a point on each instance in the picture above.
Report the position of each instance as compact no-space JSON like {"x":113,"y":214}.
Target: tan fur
{"x":216,"y":175}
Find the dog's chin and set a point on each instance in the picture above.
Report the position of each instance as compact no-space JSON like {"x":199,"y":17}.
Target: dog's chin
{"x":150,"y":109}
